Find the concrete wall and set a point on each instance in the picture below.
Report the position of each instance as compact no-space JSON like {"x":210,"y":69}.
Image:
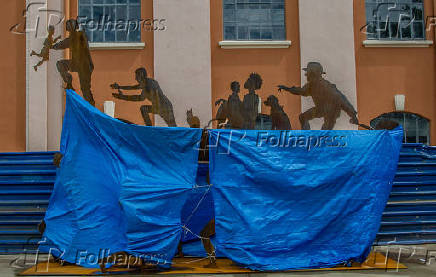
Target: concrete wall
{"x":327,"y":36}
{"x":12,"y":79}
{"x":183,"y":57}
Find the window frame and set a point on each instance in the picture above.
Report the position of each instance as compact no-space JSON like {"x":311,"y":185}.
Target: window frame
{"x":399,"y":31}
{"x":250,"y":40}
{"x":117,"y":43}
{"x":418,"y":117}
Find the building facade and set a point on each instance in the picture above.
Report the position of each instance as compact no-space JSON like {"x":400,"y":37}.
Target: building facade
{"x":379,"y":54}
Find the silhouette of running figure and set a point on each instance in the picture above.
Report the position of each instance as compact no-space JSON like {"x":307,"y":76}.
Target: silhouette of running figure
{"x":45,"y":51}
{"x":151,"y":91}
{"x":251,"y":100}
{"x":80,"y":62}
{"x":329,"y":101}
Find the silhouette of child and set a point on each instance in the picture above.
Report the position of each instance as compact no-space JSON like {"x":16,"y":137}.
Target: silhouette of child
{"x":251,"y":100}
{"x":45,"y":51}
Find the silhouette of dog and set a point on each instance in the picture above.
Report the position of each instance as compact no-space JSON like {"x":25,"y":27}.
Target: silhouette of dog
{"x":280,"y":120}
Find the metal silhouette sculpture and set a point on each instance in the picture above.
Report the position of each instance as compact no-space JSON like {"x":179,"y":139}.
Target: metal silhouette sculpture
{"x":329,"y":101}
{"x":45,"y":51}
{"x":193,"y":121}
{"x":80,"y":62}
{"x":280,"y":120}
{"x":231,"y":110}
{"x":251,"y":101}
{"x":151,"y":91}
{"x":236,"y":114}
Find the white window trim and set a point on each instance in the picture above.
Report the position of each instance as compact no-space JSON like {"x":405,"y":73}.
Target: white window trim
{"x":116,"y":45}
{"x":397,"y":43}
{"x":247,"y":44}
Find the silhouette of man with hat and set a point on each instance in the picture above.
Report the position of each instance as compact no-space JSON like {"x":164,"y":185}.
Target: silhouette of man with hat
{"x":329,"y":101}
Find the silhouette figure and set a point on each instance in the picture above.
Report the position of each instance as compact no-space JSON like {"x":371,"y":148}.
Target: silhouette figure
{"x":251,"y":100}
{"x":280,"y":120}
{"x":80,"y":62}
{"x":193,"y":121}
{"x":45,"y":51}
{"x":151,"y":91}
{"x":231,"y":109}
{"x":329,"y":101}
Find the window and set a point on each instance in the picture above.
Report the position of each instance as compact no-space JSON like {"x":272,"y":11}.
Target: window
{"x":395,"y":19}
{"x":111,"y":20}
{"x":254,"y":19}
{"x":416,"y":128}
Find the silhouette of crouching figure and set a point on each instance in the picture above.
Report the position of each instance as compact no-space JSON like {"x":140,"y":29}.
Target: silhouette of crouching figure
{"x":151,"y":91}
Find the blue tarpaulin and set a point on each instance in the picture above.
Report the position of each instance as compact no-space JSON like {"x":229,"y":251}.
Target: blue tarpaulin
{"x":300,"y":199}
{"x":120,"y":187}
{"x":281,"y":199}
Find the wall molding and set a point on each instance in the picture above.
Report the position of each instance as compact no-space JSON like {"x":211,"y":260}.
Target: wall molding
{"x":397,"y":43}
{"x":116,"y":45}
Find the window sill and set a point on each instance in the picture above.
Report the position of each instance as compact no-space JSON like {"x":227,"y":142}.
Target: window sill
{"x":116,"y":45}
{"x":243,"y":44}
{"x":399,"y":43}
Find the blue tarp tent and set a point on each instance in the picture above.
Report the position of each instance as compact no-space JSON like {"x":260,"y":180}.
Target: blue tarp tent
{"x":281,"y":200}
{"x":120,"y":187}
{"x":300,"y":199}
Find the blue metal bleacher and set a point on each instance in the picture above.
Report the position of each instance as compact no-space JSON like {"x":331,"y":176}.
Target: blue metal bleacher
{"x":410,"y":215}
{"x":26,"y":182}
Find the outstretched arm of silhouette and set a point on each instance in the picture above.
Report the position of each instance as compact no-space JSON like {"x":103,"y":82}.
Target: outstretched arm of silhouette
{"x":293,"y":90}
{"x":120,"y":95}
{"x":138,"y":97}
{"x":63,"y":44}
{"x":56,"y":39}
{"x":117,"y":86}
